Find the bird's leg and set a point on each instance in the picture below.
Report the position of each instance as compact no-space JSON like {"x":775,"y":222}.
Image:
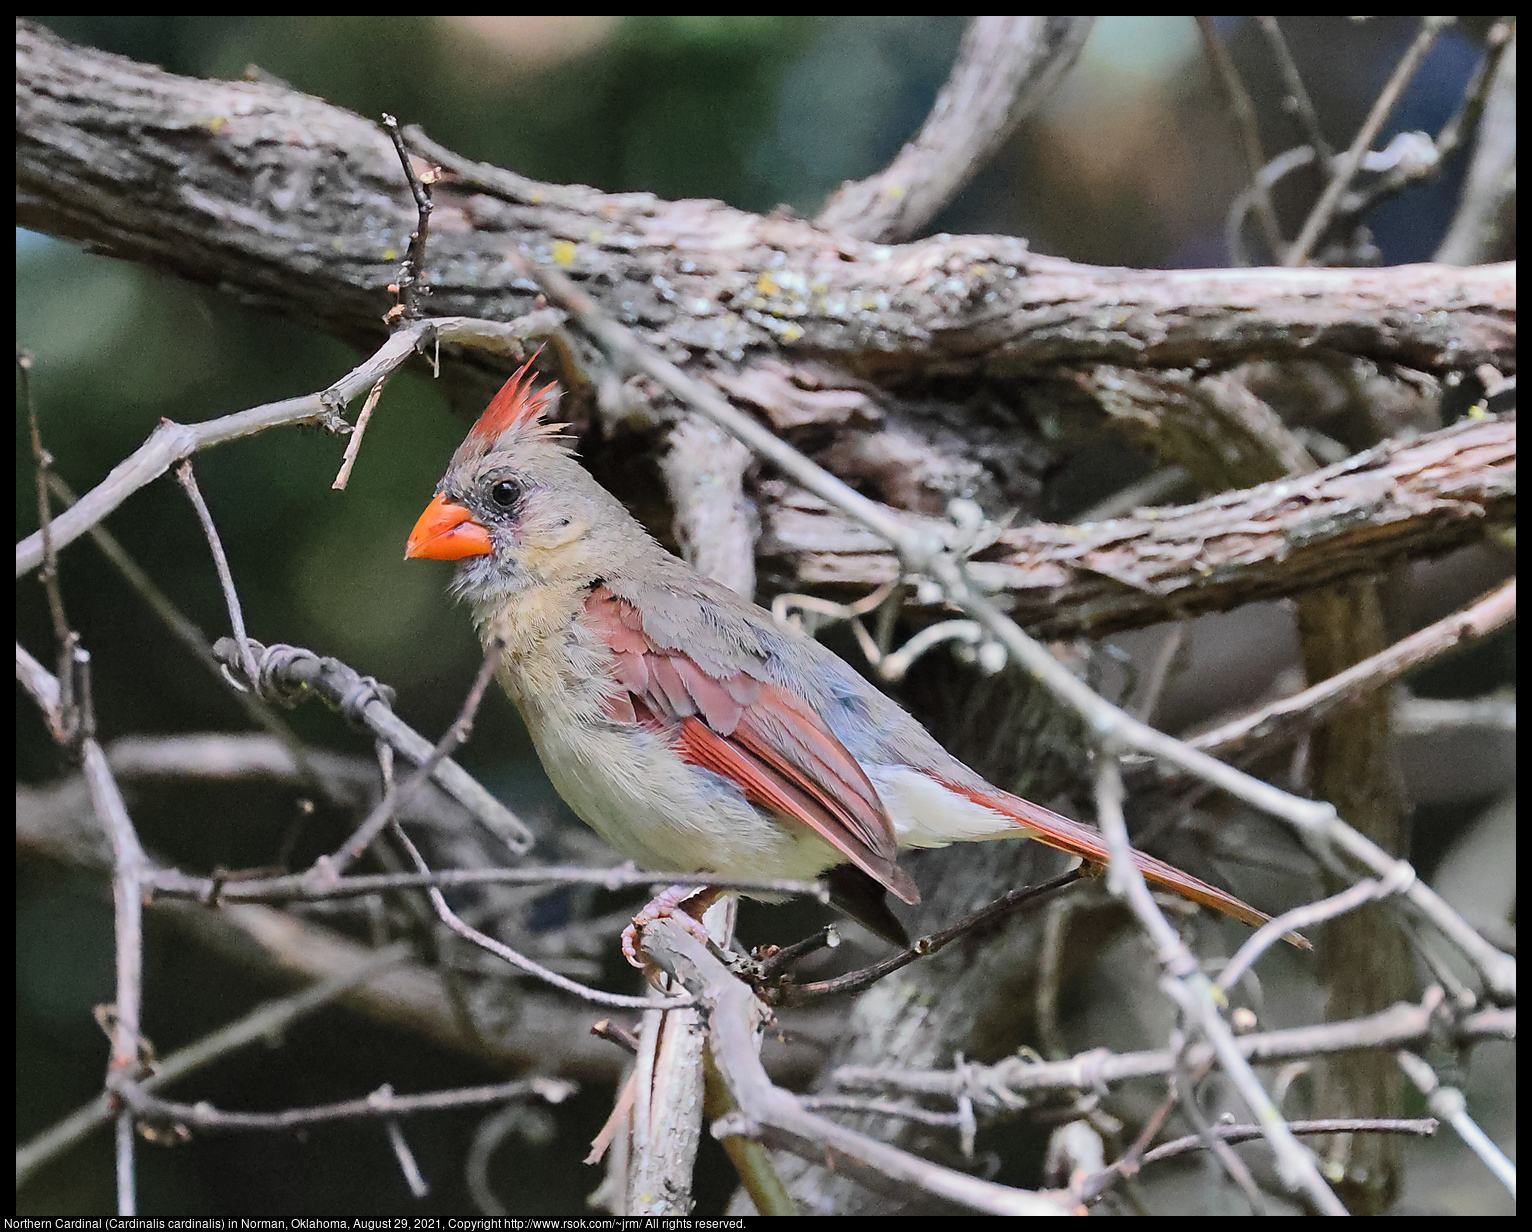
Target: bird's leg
{"x":684,"y":904}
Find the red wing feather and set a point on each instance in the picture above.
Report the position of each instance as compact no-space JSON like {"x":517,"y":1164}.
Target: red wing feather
{"x":774,"y":747}
{"x":1062,"y":834}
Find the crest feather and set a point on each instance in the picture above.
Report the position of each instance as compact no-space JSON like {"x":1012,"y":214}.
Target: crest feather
{"x":517,"y":406}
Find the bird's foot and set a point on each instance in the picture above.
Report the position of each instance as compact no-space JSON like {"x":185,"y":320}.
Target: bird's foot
{"x":683,"y":904}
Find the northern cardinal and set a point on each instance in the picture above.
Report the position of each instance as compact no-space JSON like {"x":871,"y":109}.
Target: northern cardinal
{"x":680,"y":721}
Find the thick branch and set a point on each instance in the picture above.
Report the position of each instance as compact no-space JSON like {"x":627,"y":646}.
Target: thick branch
{"x":297,"y":205}
{"x":1398,"y":500}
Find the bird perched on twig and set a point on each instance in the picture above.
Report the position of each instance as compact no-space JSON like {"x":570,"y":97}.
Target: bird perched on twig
{"x":682,"y":723}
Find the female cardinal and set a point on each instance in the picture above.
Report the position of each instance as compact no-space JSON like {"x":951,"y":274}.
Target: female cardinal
{"x":679,"y":720}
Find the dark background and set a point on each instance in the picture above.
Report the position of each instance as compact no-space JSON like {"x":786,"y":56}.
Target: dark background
{"x":1132,"y":163}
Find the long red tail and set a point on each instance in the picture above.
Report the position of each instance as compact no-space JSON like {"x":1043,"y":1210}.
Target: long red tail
{"x":1062,"y":834}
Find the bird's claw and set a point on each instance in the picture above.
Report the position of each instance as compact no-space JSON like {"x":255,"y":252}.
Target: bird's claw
{"x":683,"y":904}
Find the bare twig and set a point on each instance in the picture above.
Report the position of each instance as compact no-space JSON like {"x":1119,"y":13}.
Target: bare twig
{"x":382,"y":1103}
{"x":789,"y":993}
{"x":1249,"y":131}
{"x":411,"y":282}
{"x":171,"y":442}
{"x":1284,"y":719}
{"x":1006,"y":67}
{"x":1092,"y":1188}
{"x":1365,"y":891}
{"x":128,"y":867}
{"x":1484,"y":215}
{"x":304,"y":887}
{"x":522,"y":963}
{"x":340,"y":859}
{"x":1297,"y":100}
{"x":1007,"y":1085}
{"x":288,"y":673}
{"x":354,"y":441}
{"x":188,"y":481}
{"x":1347,"y":164}
{"x":1448,"y":1103}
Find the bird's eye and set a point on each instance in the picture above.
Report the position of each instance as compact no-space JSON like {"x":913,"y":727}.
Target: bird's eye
{"x":505,"y":493}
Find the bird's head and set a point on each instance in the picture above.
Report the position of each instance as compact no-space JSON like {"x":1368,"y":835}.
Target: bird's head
{"x":516,"y":509}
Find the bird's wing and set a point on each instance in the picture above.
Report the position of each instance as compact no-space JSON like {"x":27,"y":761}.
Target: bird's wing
{"x":778,"y":751}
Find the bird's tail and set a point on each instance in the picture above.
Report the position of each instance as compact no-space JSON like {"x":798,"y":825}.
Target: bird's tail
{"x":1062,"y":834}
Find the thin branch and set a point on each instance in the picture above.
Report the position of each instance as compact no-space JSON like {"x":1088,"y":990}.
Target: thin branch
{"x":1283,"y":720}
{"x":1008,"y":1085}
{"x":520,"y":961}
{"x":1347,"y":165}
{"x":1092,"y":1188}
{"x":304,"y":887}
{"x":1365,"y":891}
{"x":129,"y":865}
{"x":1485,"y":213}
{"x":789,"y":993}
{"x":1297,"y":100}
{"x":188,"y":481}
{"x":170,"y":443}
{"x":354,"y":441}
{"x":1449,"y":1104}
{"x":290,"y":673}
{"x":387,"y":809}
{"x":381,"y":1103}
{"x":1006,"y":67}
{"x":411,"y":282}
{"x":1248,"y":129}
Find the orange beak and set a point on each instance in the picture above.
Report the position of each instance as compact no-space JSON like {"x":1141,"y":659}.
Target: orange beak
{"x":446,"y":532}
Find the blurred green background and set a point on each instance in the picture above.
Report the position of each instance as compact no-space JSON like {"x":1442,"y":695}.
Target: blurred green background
{"x":1132,"y":163}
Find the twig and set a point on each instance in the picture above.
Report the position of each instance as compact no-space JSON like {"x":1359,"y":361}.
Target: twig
{"x":412,"y":272}
{"x":289,"y":673}
{"x":171,"y":442}
{"x":1347,"y":164}
{"x":188,"y":481}
{"x":1449,"y":1104}
{"x":354,"y":441}
{"x":1196,"y":996}
{"x":1282,"y":720}
{"x":1007,"y":1084}
{"x":1092,"y":1188}
{"x":339,"y":860}
{"x":1365,"y":891}
{"x":62,"y":717}
{"x":522,"y":963}
{"x":1248,"y":129}
{"x":1484,"y":214}
{"x":128,"y":867}
{"x":381,"y":1103}
{"x":1297,"y":100}
{"x":304,"y":887}
{"x":788,"y":993}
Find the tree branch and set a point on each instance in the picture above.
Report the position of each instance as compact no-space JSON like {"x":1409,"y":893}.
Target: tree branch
{"x":1006,"y":67}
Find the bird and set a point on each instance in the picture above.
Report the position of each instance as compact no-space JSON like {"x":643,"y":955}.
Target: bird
{"x":678,"y":719}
